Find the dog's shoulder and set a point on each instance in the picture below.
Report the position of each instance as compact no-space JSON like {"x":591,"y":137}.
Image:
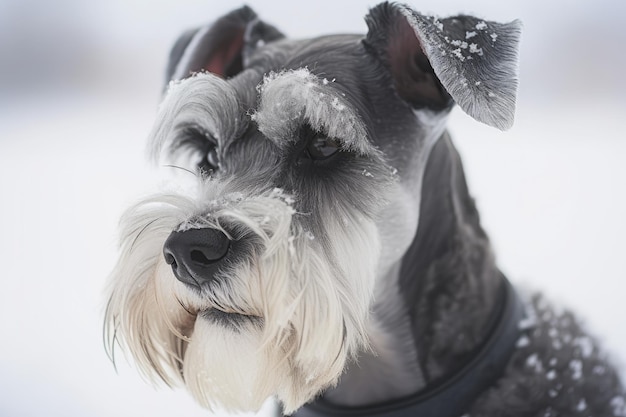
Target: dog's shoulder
{"x":557,"y":369}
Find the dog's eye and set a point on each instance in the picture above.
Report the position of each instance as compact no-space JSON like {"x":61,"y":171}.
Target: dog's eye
{"x":322,"y":147}
{"x":210,"y":162}
{"x":203,"y":146}
{"x":319,"y":146}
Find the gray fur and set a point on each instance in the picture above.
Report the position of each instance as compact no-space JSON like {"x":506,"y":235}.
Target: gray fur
{"x":290,"y":99}
{"x":203,"y":100}
{"x":557,"y":370}
{"x":475,"y":60}
{"x":376,"y":254}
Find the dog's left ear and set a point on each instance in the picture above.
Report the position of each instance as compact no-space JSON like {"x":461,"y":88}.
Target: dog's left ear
{"x":471,"y":61}
{"x":221,"y":47}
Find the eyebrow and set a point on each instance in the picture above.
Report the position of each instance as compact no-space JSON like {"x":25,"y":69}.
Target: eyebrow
{"x":203,"y":100}
{"x":291,"y":98}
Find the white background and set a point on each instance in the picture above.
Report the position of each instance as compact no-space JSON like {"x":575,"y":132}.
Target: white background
{"x":79,"y":84}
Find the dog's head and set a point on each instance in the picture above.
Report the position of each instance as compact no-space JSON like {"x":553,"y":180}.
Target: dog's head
{"x":308,"y":157}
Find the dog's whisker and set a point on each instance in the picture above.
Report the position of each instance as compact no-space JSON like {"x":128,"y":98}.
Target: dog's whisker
{"x":110,"y":347}
{"x":109,"y":334}
{"x":140,"y":233}
{"x":185,"y":307}
{"x":342,"y":347}
{"x":195,"y":174}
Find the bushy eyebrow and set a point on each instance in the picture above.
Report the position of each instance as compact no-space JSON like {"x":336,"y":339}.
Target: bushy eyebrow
{"x":205,"y":101}
{"x":292,"y":98}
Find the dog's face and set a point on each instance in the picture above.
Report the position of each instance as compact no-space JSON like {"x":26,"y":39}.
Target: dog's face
{"x":308,"y":158}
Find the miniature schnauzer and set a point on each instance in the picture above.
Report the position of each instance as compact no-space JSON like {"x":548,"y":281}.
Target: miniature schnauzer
{"x":329,"y":254}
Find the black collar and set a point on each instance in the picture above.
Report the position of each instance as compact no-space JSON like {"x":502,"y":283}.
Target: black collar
{"x":453,"y":395}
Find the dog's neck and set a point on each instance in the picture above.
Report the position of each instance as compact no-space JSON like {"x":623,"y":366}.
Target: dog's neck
{"x":434,"y":306}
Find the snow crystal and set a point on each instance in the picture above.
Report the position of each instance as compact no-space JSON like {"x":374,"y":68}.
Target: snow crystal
{"x":309,"y":235}
{"x":576,"y":366}
{"x":462,"y":44}
{"x":292,"y":248}
{"x":585,"y":344}
{"x":458,"y":54}
{"x":582,"y":405}
{"x":494,"y":36}
{"x":337,"y":105}
{"x":619,"y":406}
{"x":522,"y":341}
{"x":481,"y":26}
{"x":470,"y":35}
{"x":477,"y":83}
{"x":552,"y":362}
{"x":325,"y":81}
{"x":491,"y":94}
{"x":534,"y":362}
{"x":280,"y":194}
{"x":438,"y":24}
{"x":527,"y":322}
{"x":553,"y":393}
{"x":551,"y":374}
{"x":474,"y":49}
{"x":599,"y":370}
{"x":277,"y":192}
{"x":236,"y":197}
{"x":367,"y":173}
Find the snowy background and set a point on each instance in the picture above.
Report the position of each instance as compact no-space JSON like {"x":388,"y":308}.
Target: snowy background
{"x":79,"y":84}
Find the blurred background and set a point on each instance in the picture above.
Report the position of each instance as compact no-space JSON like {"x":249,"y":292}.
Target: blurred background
{"x":79,"y":86}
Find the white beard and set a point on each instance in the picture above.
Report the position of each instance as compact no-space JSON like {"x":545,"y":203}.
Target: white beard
{"x":308,"y":298}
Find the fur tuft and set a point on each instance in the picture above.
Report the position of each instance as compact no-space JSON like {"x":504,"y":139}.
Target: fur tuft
{"x":290,"y":287}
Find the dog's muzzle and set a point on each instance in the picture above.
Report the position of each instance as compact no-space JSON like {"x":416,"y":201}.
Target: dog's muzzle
{"x":195,"y":254}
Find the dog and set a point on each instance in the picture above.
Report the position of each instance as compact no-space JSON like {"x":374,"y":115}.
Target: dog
{"x":324,"y":248}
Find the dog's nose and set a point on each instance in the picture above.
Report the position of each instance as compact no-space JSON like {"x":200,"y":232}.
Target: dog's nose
{"x":194,"y":254}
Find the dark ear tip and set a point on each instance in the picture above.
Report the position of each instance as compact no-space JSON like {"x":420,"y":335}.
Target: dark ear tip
{"x":380,"y":12}
{"x":245,"y":12}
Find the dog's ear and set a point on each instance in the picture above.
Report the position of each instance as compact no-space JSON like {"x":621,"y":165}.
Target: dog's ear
{"x":471,"y":61}
{"x":221,"y":47}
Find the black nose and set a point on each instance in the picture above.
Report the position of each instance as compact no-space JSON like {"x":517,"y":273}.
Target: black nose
{"x":194,"y":254}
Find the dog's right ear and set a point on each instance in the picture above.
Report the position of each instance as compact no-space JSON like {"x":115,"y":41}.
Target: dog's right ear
{"x":221,"y":47}
{"x":461,"y":58}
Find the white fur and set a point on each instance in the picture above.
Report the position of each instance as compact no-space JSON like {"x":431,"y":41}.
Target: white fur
{"x":290,"y":98}
{"x":314,"y":309}
{"x":204,"y":100}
